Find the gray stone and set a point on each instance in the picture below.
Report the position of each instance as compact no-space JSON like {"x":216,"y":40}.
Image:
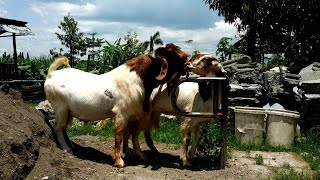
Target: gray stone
{"x":308,"y":73}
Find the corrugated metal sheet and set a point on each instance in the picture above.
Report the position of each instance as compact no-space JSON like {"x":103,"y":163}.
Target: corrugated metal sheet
{"x":19,"y":30}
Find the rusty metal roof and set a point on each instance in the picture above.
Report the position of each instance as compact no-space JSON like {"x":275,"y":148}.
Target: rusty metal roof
{"x":14,"y":26}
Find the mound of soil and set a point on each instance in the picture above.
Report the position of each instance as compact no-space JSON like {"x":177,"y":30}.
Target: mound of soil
{"x":23,"y":133}
{"x":28,"y":151}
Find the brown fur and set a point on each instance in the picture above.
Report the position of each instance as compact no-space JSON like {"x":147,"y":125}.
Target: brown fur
{"x":140,"y":65}
{"x":176,"y":60}
{"x":170,"y":58}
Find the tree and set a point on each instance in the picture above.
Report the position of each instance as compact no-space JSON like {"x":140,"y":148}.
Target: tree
{"x":289,"y":27}
{"x":243,"y":10}
{"x":133,"y":46}
{"x":225,"y":48}
{"x":71,"y":37}
{"x":90,"y":44}
{"x":154,"y":40}
{"x":113,"y":55}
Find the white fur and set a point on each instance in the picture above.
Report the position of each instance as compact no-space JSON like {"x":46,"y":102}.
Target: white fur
{"x":75,"y":93}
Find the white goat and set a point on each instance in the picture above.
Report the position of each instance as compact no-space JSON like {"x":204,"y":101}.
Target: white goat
{"x":120,"y":93}
{"x":188,"y":99}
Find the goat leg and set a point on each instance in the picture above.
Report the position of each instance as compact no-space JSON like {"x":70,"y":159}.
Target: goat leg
{"x":147,"y":136}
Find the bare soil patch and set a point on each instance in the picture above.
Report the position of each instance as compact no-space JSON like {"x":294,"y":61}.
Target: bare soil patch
{"x":28,"y":151}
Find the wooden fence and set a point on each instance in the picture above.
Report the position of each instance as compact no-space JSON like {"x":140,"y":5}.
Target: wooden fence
{"x":31,"y":90}
{"x":7,"y":72}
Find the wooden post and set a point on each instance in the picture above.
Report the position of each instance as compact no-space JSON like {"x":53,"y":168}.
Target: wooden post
{"x":15,"y":58}
{"x":224,"y":125}
{"x":88,"y":62}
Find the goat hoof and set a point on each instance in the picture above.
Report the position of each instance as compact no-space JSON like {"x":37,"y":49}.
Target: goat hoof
{"x":67,"y":151}
{"x":119,"y":164}
{"x":186,"y":162}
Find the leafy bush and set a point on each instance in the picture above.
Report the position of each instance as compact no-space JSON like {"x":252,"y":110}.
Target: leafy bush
{"x":209,"y":142}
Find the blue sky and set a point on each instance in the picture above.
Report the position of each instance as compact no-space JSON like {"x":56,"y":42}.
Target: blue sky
{"x":176,"y":20}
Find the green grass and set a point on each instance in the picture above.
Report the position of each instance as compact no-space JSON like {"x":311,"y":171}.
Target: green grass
{"x":89,"y":129}
{"x":32,"y":104}
{"x":168,"y":132}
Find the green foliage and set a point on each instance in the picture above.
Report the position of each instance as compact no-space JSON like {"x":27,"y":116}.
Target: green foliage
{"x":34,"y":68}
{"x":154,"y":40}
{"x":71,"y":37}
{"x":30,"y":68}
{"x":289,"y":27}
{"x":210,"y":136}
{"x":259,"y":159}
{"x":113,"y":55}
{"x":225,"y":49}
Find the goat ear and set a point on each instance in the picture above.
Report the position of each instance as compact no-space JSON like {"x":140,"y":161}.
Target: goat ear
{"x":164,"y":68}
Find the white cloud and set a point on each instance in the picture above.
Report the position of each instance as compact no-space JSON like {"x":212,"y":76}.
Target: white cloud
{"x":62,"y":8}
{"x":177,"y":21}
{"x":3,"y":13}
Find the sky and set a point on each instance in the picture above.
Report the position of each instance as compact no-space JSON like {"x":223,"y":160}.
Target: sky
{"x":176,"y":20}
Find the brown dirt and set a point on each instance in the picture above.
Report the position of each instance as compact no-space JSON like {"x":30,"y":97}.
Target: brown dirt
{"x":28,"y":151}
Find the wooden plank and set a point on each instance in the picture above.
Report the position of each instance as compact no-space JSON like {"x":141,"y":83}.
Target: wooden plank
{"x":7,"y":71}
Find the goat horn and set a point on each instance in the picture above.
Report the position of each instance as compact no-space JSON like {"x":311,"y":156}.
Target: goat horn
{"x":164,"y":68}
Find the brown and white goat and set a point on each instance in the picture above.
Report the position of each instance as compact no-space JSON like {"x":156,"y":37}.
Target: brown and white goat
{"x":190,"y":97}
{"x":122,"y":93}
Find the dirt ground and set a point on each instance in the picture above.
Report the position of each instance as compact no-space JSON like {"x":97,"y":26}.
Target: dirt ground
{"x":28,"y":151}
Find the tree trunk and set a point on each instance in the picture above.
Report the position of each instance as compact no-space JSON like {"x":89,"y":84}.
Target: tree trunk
{"x":252,"y":42}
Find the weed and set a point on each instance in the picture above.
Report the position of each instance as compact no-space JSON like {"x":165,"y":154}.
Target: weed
{"x":259,"y":159}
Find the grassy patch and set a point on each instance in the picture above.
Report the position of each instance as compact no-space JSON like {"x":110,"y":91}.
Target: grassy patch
{"x":291,"y":174}
{"x":32,"y":103}
{"x":308,"y":146}
{"x":168,"y":132}
{"x":90,"y":129}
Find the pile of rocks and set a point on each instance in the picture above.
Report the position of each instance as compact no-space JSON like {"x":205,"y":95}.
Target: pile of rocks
{"x":309,"y":92}
{"x":279,"y":85}
{"x":245,"y":82}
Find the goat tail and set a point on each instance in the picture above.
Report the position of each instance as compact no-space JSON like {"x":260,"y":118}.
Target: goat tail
{"x":57,"y":63}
